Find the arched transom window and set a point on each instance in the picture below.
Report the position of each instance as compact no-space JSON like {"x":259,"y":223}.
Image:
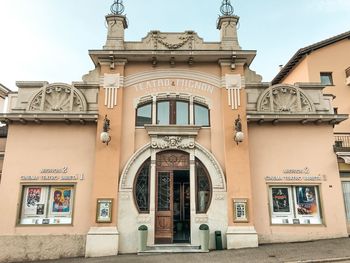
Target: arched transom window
{"x":172,"y":112}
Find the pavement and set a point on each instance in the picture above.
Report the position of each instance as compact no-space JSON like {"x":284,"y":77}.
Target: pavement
{"x":331,"y":250}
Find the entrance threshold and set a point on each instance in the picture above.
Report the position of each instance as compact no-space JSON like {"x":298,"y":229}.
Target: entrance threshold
{"x":172,"y":248}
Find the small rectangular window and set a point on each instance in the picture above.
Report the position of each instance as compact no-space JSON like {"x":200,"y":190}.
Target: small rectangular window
{"x":144,"y":115}
{"x":326,"y":78}
{"x":47,"y":205}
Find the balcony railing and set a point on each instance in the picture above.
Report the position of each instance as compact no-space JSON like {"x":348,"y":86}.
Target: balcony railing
{"x":342,"y":142}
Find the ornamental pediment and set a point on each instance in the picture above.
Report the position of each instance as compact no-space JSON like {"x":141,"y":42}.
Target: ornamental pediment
{"x":285,"y":99}
{"x":58,"y":97}
{"x":302,"y":102}
{"x":187,"y":40}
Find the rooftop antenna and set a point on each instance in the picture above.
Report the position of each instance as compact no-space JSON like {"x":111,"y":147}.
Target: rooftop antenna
{"x":226,"y":8}
{"x":117,"y":7}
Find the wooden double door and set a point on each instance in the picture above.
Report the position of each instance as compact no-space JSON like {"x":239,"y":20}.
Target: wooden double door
{"x":172,"y":215}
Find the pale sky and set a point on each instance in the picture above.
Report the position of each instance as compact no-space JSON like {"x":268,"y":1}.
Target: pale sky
{"x":49,"y":40}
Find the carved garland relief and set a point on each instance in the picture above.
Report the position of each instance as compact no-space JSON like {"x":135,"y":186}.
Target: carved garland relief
{"x":172,"y":142}
{"x":58,"y":98}
{"x":159,"y":39}
{"x":284,"y":99}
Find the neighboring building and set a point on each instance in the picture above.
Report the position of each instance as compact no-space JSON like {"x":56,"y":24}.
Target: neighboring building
{"x":190,"y":136}
{"x":328,"y":62}
{"x":3,"y":128}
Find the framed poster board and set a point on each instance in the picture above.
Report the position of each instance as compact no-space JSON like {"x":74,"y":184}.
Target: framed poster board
{"x":46,"y":204}
{"x":104,"y":210}
{"x":240,"y":210}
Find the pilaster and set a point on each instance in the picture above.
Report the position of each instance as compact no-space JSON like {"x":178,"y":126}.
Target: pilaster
{"x":237,"y":158}
{"x":107,"y":161}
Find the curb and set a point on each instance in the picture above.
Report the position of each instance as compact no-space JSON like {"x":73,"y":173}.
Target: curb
{"x":320,"y":260}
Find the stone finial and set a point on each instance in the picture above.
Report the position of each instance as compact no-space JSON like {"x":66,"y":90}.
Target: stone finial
{"x":226,"y":8}
{"x":117,"y":24}
{"x":227,"y":24}
{"x":117,"y":7}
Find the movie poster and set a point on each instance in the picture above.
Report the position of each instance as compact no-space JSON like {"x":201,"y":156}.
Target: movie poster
{"x":61,"y":200}
{"x":280,"y":199}
{"x":306,"y":202}
{"x":34,"y":201}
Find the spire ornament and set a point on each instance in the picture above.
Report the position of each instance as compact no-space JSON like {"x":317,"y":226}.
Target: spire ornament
{"x":117,"y":7}
{"x":226,"y":8}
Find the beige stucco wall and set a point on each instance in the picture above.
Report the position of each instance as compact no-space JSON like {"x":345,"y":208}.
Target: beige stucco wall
{"x":29,"y":149}
{"x":293,"y":146}
{"x":300,"y":73}
{"x":334,"y":58}
{"x":2,"y":144}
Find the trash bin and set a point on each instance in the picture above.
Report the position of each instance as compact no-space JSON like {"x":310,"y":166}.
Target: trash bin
{"x":218,"y":240}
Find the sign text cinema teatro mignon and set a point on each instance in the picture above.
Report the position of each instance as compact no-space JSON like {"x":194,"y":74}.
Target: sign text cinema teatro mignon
{"x":186,"y":85}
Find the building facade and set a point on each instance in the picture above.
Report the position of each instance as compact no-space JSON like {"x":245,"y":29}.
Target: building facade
{"x":170,"y":132}
{"x":327,"y":62}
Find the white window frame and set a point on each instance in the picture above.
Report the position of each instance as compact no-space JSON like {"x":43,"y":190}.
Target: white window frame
{"x":39,"y":208}
{"x":294,"y":216}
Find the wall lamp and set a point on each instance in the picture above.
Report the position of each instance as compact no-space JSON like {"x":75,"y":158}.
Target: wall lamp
{"x":105,"y":137}
{"x":239,"y":135}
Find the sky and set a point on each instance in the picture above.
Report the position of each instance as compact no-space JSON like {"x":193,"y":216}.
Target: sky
{"x":48,"y":40}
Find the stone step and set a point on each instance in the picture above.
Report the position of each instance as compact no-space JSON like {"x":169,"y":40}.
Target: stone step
{"x":171,"y":248}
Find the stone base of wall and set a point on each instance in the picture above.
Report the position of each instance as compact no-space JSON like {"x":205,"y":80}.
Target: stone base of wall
{"x":102,"y":242}
{"x":41,"y":247}
{"x":241,"y":237}
{"x":295,"y":237}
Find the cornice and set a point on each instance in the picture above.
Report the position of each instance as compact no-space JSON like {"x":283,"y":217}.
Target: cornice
{"x":39,"y":118}
{"x":107,"y":56}
{"x":301,"y":118}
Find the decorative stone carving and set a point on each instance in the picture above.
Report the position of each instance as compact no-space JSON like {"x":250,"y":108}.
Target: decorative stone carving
{"x":58,"y":98}
{"x":201,"y":219}
{"x":141,"y":219}
{"x":217,"y":178}
{"x":111,"y":84}
{"x":172,"y":142}
{"x":219,"y":196}
{"x":284,"y":99}
{"x":233,"y":86}
{"x":165,"y":40}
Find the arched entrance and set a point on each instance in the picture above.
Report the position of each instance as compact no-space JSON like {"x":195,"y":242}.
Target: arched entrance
{"x":149,"y":166}
{"x":172,"y":213}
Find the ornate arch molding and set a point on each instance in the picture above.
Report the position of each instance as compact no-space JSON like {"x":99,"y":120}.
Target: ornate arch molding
{"x":285,"y":98}
{"x":173,"y":73}
{"x":137,"y":159}
{"x":58,"y":97}
{"x":172,"y":95}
